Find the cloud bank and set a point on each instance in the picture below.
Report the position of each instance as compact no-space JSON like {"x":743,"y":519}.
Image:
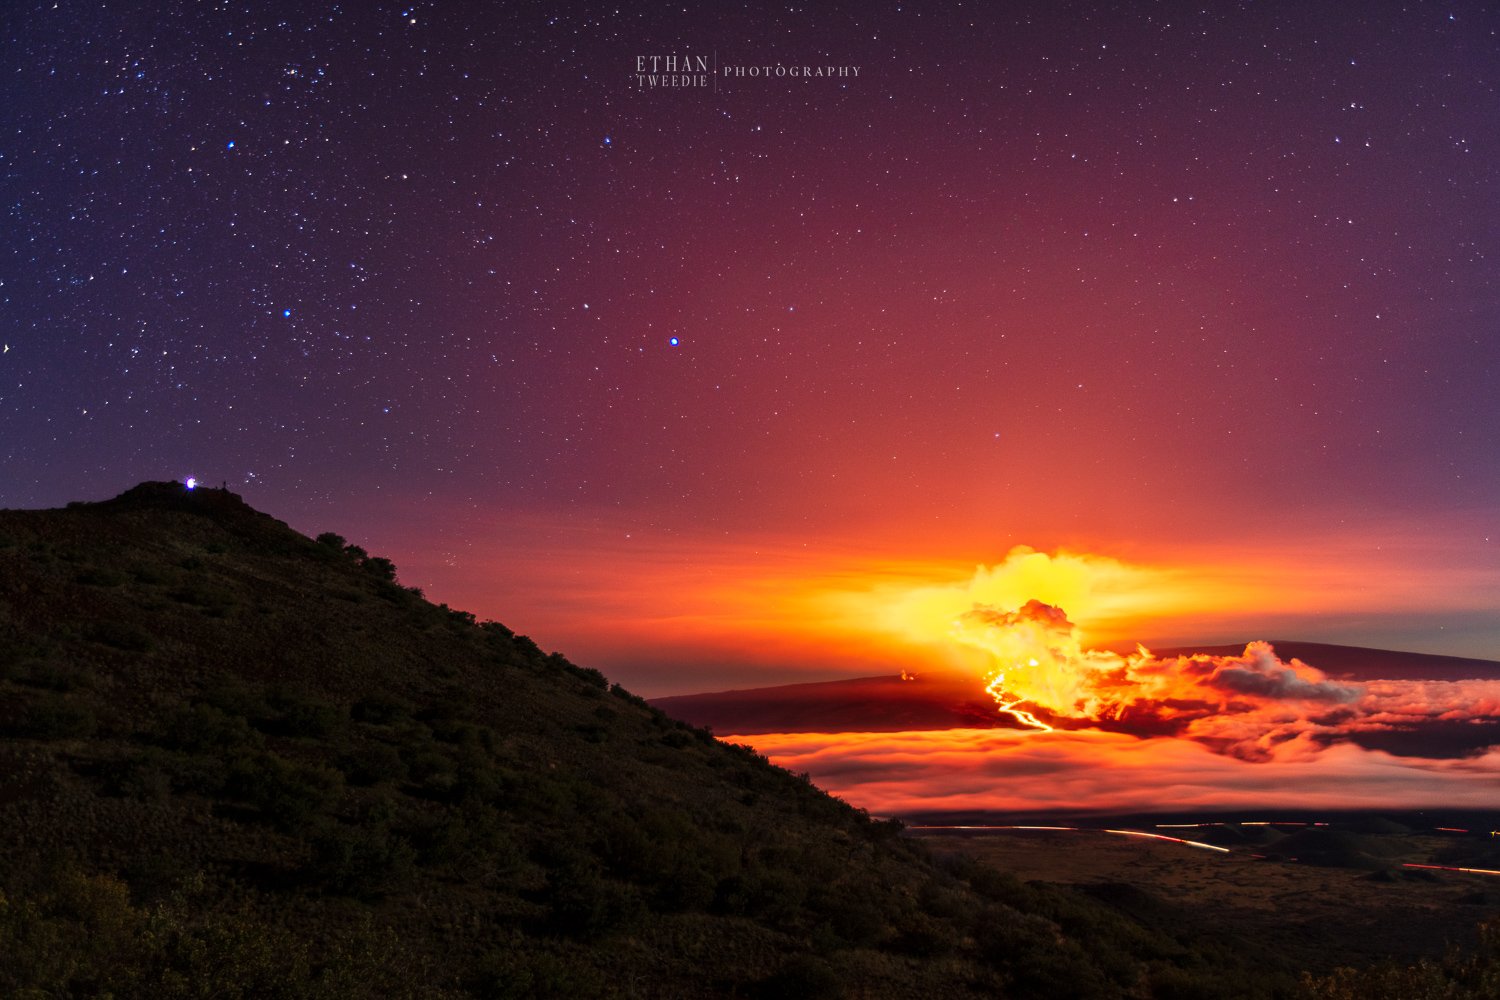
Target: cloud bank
{"x":1092,"y":771}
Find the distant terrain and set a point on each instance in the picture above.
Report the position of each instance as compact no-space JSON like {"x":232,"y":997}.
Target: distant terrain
{"x":1359,"y":663}
{"x":1349,"y":888}
{"x":862,"y":704}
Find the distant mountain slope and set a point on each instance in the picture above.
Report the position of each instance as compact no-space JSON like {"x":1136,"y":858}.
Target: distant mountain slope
{"x":1358,"y":663}
{"x":864,"y":704}
{"x":239,"y":762}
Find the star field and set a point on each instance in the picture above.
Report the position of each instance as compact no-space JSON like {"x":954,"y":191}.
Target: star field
{"x":1038,"y":272}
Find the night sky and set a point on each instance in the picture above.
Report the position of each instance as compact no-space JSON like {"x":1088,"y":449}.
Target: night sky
{"x":630,"y":368}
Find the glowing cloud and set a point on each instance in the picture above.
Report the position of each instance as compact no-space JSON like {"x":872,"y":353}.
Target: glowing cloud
{"x":1006,"y":771}
{"x":1241,"y":705}
{"x":1105,"y":593}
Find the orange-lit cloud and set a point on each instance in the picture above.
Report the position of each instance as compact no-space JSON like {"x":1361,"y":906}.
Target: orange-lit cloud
{"x":1002,"y":770}
{"x":1108,"y":597}
{"x":1241,"y":704}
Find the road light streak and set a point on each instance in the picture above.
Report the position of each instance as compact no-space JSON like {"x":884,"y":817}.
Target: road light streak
{"x":1174,"y":840}
{"x":1449,"y":868}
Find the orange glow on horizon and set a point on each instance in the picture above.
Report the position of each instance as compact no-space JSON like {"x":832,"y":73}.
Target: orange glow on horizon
{"x":668,"y":612}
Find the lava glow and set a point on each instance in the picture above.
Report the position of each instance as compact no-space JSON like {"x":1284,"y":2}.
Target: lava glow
{"x":1100,"y":730}
{"x":1040,"y":674}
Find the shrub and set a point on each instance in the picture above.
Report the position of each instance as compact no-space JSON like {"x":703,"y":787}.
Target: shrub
{"x":237,"y":698}
{"x":690,"y":888}
{"x":293,"y":713}
{"x":286,"y":794}
{"x":148,"y":574}
{"x":49,"y":675}
{"x":512,"y":974}
{"x":372,"y":764}
{"x":382,"y":568}
{"x":79,"y":935}
{"x":146,"y":777}
{"x":56,"y":717}
{"x":1459,"y":975}
{"x":366,"y":860}
{"x":204,"y":728}
{"x":804,"y":976}
{"x":98,"y":576}
{"x":121,"y":635}
{"x":382,"y":709}
{"x":586,"y":906}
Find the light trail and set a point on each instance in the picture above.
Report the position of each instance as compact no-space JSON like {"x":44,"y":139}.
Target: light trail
{"x":1448,"y":868}
{"x":990,"y":827}
{"x":1083,"y":829}
{"x":1174,"y":840}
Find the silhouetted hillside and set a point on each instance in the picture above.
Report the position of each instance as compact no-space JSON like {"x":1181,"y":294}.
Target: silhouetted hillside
{"x":239,"y":762}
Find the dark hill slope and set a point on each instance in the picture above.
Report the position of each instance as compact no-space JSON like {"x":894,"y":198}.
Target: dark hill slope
{"x":238,"y":762}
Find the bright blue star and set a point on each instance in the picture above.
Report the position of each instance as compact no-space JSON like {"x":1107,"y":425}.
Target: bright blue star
{"x":231,"y":144}
{"x":286,"y":314}
{"x":673,"y":341}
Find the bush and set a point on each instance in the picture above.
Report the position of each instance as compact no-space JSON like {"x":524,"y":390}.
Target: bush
{"x":367,"y":860}
{"x":56,"y":717}
{"x":512,"y":974}
{"x":148,"y":574}
{"x":293,"y":713}
{"x":146,"y":777}
{"x":382,"y":568}
{"x":78,"y":935}
{"x":121,"y":635}
{"x":804,"y":976}
{"x":372,"y":764}
{"x":287,"y":794}
{"x":203,"y":728}
{"x":98,"y":576}
{"x":586,"y":906}
{"x":1459,"y":975}
{"x":382,"y":709}
{"x":49,"y":675}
